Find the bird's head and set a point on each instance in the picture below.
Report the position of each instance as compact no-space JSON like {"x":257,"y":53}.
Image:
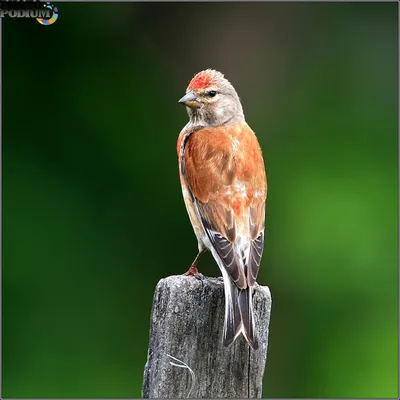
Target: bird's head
{"x":211,"y":100}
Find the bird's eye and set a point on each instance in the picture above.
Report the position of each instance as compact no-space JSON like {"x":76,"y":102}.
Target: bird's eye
{"x":212,"y":93}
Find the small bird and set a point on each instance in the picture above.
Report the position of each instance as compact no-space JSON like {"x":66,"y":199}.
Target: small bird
{"x":224,"y":187}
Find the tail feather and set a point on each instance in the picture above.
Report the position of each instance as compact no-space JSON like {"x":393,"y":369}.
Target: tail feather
{"x":238,"y":314}
{"x":233,"y":322}
{"x":245,"y":299}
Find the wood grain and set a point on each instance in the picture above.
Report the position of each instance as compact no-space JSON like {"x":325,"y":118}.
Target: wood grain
{"x":187,"y":323}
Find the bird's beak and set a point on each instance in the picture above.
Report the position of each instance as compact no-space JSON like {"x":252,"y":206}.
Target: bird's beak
{"x":190,"y":100}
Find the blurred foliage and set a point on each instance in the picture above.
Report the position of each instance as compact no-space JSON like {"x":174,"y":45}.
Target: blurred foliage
{"x":93,"y":214}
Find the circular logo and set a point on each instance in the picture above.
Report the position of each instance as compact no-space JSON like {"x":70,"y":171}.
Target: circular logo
{"x":53,"y":18}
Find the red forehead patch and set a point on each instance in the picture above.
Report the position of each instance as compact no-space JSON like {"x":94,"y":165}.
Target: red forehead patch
{"x":200,"y":81}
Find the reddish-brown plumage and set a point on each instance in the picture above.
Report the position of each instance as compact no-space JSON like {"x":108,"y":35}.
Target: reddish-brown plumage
{"x":178,"y":144}
{"x":224,"y":170}
{"x":201,"y":80}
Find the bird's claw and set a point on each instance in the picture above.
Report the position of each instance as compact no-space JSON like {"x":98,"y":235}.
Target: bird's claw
{"x":192,"y":271}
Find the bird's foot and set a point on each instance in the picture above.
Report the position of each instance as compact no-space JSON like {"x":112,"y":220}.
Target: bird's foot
{"x":220,"y":278}
{"x":192,"y":271}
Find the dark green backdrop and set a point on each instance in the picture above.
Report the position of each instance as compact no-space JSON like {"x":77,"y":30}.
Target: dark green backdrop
{"x":92,"y":210}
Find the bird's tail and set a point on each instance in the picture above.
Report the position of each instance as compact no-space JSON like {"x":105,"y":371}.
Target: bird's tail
{"x":239,"y":316}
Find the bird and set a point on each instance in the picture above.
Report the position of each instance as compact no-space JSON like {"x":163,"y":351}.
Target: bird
{"x":224,"y":187}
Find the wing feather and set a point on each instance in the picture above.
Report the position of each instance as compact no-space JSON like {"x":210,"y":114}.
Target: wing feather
{"x":224,"y":171}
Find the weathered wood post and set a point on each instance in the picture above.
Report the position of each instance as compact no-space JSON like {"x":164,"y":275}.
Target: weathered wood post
{"x":186,"y":358}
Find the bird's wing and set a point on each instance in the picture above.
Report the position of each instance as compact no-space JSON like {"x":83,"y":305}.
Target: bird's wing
{"x":225,"y":173}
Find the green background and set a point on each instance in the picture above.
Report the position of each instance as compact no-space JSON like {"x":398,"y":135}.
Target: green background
{"x":93,"y":214}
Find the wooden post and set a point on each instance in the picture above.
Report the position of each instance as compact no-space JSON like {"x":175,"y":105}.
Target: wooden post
{"x":186,"y":357}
